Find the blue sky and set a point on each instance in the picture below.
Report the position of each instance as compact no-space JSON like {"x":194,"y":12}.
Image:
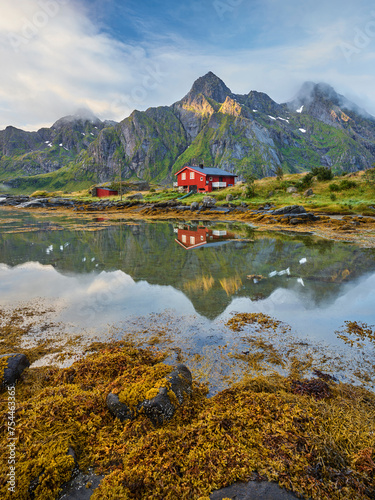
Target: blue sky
{"x":113,"y":56}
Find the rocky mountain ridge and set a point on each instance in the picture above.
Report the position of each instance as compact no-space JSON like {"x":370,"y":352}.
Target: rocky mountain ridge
{"x":239,"y":133}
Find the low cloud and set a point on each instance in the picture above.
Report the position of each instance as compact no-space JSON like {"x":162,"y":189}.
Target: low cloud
{"x":59,"y":59}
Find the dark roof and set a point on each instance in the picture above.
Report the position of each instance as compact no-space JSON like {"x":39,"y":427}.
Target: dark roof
{"x":207,"y":171}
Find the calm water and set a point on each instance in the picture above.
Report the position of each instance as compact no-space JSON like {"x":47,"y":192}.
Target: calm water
{"x":191,"y":277}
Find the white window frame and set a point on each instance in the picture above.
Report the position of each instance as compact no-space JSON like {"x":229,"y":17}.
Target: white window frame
{"x":183,"y":176}
{"x":192,"y":175}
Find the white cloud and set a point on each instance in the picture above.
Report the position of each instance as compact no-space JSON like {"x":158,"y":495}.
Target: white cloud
{"x":58,"y":63}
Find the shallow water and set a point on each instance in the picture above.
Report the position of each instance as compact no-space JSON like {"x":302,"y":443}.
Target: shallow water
{"x":188,"y":279}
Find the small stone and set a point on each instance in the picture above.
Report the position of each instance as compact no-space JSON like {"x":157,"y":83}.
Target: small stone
{"x":292,"y":189}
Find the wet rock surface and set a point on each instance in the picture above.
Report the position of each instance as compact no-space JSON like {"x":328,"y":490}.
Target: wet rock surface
{"x":119,"y":410}
{"x":253,"y":490}
{"x":81,"y":487}
{"x":16,"y":364}
{"x":290,"y":209}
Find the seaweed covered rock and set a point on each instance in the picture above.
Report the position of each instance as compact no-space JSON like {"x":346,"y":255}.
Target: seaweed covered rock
{"x":158,"y":395}
{"x":11,"y":368}
{"x":162,"y":406}
{"x":290,"y":209}
{"x":118,"y":409}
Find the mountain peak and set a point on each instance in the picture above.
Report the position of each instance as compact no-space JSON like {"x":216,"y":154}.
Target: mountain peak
{"x":210,"y":86}
{"x":311,"y":91}
{"x":83,"y":114}
{"x":322,"y":95}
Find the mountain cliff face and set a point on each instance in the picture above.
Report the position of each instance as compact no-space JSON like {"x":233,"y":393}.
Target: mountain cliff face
{"x":30,"y":153}
{"x":239,"y":133}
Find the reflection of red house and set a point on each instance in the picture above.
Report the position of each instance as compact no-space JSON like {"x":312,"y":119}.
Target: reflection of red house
{"x":202,"y":179}
{"x":104,"y":192}
{"x":190,"y":238}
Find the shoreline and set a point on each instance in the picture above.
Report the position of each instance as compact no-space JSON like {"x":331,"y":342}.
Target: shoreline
{"x":357,"y":229}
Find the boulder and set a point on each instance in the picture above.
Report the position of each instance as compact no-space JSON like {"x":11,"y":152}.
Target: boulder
{"x":163,"y":406}
{"x":308,"y":192}
{"x":16,"y":364}
{"x":290,"y":209}
{"x":208,"y":201}
{"x":229,"y":197}
{"x":31,"y":204}
{"x":136,"y":196}
{"x":194,"y":206}
{"x":292,"y":189}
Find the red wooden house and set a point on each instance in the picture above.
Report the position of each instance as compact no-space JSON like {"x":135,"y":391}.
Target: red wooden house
{"x":201,"y":179}
{"x":193,"y":237}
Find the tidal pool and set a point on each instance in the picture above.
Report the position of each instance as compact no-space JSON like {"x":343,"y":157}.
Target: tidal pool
{"x":178,"y":284}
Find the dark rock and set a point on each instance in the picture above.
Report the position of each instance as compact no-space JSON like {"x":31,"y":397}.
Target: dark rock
{"x":15,"y":366}
{"x":194,"y":206}
{"x":162,"y":407}
{"x":208,"y":201}
{"x":118,"y":409}
{"x":290,"y":209}
{"x":77,"y":489}
{"x":31,"y":204}
{"x":229,"y":197}
{"x":136,"y":196}
{"x":253,"y":490}
{"x":308,"y":192}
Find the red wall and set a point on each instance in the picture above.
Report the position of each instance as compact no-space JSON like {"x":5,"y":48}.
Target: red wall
{"x":201,"y":184}
{"x":102,"y":192}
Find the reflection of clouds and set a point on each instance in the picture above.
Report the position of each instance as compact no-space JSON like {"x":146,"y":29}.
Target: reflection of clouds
{"x":356,"y":303}
{"x":90,"y":299}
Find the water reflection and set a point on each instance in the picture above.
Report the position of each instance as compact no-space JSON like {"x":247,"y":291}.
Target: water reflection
{"x":226,"y":262}
{"x":190,"y":237}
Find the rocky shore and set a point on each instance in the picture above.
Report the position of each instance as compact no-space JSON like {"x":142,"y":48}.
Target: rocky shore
{"x":356,"y":228}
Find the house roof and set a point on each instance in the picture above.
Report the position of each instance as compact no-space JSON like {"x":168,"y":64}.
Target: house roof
{"x":207,"y":171}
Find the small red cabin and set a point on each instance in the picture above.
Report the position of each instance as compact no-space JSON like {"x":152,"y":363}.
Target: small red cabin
{"x":201,"y":179}
{"x":104,"y":192}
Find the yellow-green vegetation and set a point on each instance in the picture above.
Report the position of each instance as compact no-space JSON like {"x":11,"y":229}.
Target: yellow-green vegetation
{"x":240,"y":320}
{"x":356,"y":333}
{"x":314,"y":437}
{"x":3,"y":365}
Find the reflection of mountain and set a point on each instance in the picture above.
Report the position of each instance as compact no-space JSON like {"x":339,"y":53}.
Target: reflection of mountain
{"x":210,"y":275}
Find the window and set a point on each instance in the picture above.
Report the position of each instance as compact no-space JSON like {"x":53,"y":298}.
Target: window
{"x":183,"y":176}
{"x":210,"y":178}
{"x":192,"y":240}
{"x":183,"y":238}
{"x":192,"y":175}
{"x":201,"y":179}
